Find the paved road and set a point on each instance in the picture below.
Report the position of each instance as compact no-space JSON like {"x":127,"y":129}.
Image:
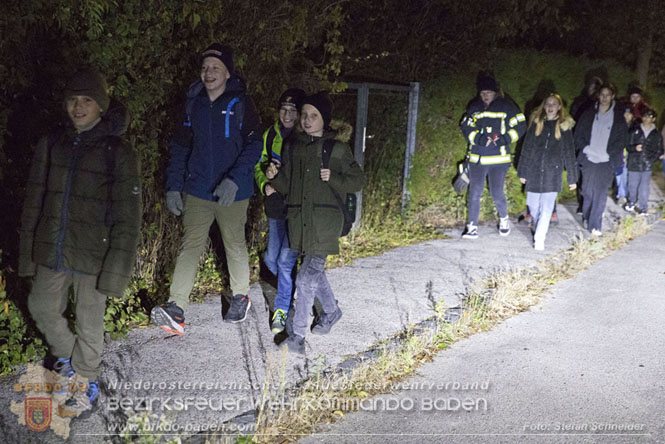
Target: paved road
{"x":586,"y":366}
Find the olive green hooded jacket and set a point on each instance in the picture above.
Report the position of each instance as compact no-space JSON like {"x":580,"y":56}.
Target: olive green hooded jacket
{"x":314,"y":218}
{"x":82,"y":210}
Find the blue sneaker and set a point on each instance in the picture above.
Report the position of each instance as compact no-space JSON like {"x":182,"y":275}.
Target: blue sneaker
{"x":64,"y":378}
{"x":82,"y":401}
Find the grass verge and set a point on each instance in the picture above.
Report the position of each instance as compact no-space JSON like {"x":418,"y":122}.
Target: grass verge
{"x":488,"y":302}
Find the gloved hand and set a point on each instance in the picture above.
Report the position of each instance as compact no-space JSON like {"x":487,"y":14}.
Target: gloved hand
{"x":174,"y":202}
{"x":226,"y":192}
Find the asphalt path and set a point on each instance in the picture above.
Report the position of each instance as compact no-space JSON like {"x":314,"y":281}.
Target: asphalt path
{"x":585,"y":366}
{"x":224,"y":367}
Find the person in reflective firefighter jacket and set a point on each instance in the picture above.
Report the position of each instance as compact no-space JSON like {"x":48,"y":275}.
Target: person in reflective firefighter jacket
{"x":490,"y":125}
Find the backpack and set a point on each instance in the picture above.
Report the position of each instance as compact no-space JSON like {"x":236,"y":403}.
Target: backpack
{"x":348,"y":206}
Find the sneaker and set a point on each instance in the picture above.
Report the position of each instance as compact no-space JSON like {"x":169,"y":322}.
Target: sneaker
{"x":324,"y":322}
{"x":596,"y":233}
{"x":278,"y":321}
{"x":471,"y":232}
{"x":525,"y":219}
{"x":65,"y":376}
{"x":554,"y":220}
{"x":170,"y":317}
{"x":295,"y":343}
{"x":629,"y":207}
{"x":239,"y":308}
{"x":640,"y":212}
{"x":539,"y":245}
{"x":504,"y":226}
{"x":82,"y":401}
{"x":528,"y":219}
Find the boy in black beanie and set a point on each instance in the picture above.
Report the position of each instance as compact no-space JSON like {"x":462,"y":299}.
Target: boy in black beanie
{"x":314,"y":218}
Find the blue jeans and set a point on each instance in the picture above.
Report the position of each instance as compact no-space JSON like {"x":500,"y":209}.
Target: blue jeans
{"x":541,"y":206}
{"x":622,"y":180}
{"x":280,"y":260}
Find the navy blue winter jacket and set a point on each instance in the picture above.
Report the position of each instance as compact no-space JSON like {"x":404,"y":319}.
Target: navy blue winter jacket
{"x":216,"y":140}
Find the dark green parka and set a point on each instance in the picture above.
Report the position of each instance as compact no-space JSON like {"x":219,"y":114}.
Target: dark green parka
{"x":82,"y":210}
{"x":314,"y":218}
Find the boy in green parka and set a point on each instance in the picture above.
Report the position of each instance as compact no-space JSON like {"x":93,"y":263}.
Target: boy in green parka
{"x":314,"y":218}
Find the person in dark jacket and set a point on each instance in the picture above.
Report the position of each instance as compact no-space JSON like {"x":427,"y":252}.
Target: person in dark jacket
{"x":314,"y":218}
{"x":210,"y":178}
{"x":600,"y":138}
{"x":491,"y":124}
{"x":644,"y":149}
{"x":587,"y":98}
{"x":279,"y":258}
{"x":548,"y":149}
{"x":80,"y":228}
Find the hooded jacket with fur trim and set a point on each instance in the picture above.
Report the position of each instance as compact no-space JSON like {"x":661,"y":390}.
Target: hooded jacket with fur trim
{"x":82,"y":210}
{"x":543,"y":157}
{"x":314,"y":219}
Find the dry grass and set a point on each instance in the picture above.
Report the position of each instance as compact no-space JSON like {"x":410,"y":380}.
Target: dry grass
{"x":328,"y":397}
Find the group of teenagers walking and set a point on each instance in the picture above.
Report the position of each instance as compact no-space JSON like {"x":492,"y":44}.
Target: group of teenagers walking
{"x":81,"y":219}
{"x":591,"y":151}
{"x":82,"y":214}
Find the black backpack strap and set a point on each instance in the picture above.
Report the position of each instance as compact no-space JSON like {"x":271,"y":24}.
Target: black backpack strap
{"x":270,"y":138}
{"x":326,"y":152}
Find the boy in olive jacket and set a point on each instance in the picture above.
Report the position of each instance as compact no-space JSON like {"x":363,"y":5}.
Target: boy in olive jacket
{"x":80,"y":228}
{"x":314,"y":218}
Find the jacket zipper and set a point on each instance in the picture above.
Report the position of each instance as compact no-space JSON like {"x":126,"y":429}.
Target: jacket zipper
{"x":64,"y":210}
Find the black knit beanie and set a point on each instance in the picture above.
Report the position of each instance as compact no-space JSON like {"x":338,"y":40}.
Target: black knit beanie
{"x":88,"y":83}
{"x":321,"y":101}
{"x":635,"y":90}
{"x":293,"y":97}
{"x":487,"y":83}
{"x":220,"y":52}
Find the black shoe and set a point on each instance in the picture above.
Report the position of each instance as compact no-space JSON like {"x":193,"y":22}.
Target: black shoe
{"x":240,"y":304}
{"x":169,"y":317}
{"x":295,"y":344}
{"x":324,"y":322}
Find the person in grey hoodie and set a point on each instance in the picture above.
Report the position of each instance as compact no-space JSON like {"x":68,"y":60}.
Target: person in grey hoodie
{"x":600,"y":138}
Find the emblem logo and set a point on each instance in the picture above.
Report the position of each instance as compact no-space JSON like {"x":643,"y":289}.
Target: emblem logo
{"x":38,"y":413}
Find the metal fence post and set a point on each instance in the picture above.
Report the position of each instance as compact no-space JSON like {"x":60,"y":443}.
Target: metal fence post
{"x":361,"y":133}
{"x":410,"y":140}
